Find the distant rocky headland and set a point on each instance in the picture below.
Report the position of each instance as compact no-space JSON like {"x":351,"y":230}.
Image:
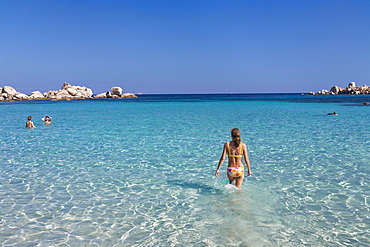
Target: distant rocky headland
{"x":350,"y":89}
{"x":67,"y":92}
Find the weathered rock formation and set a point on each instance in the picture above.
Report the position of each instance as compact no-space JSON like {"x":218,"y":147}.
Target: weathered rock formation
{"x":9,"y":93}
{"x":9,"y":90}
{"x":37,"y":95}
{"x":70,"y":92}
{"x":67,"y":92}
{"x":116,"y":92}
{"x":350,"y":89}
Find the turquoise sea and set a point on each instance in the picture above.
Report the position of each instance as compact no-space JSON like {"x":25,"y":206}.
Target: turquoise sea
{"x":140,"y":172}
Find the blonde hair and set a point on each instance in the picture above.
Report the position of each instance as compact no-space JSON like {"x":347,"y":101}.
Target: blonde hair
{"x":235,"y":135}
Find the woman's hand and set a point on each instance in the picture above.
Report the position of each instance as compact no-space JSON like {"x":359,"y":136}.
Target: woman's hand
{"x":217,"y":174}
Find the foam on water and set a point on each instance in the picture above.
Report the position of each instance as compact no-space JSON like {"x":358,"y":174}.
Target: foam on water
{"x":141,"y":173}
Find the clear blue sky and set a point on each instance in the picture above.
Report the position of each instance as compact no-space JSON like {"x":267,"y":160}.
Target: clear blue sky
{"x":203,"y":46}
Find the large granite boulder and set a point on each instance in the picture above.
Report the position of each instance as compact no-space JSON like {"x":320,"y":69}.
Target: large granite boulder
{"x":36,"y":95}
{"x":62,"y":93}
{"x":71,"y":91}
{"x":335,"y":89}
{"x":116,"y":91}
{"x":101,"y":96}
{"x":351,"y":85}
{"x":21,"y":96}
{"x":8,"y":90}
{"x":84,"y":92}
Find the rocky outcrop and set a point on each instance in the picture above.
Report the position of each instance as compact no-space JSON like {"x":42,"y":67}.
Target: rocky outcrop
{"x":21,"y":96}
{"x":37,"y":95}
{"x":67,"y":92}
{"x":350,"y":89}
{"x":116,"y":92}
{"x":70,"y":92}
{"x":9,"y":93}
{"x":9,"y":90}
{"x":128,"y":95}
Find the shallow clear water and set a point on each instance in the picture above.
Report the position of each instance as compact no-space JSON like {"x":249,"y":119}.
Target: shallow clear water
{"x":140,"y":172}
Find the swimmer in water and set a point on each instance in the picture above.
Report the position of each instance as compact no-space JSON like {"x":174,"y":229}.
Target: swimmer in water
{"x":235,"y":151}
{"x":47,"y":120}
{"x":29,"y":123}
{"x":334,"y":113}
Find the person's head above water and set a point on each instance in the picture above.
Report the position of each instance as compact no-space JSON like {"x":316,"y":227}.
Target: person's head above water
{"x":235,"y":135}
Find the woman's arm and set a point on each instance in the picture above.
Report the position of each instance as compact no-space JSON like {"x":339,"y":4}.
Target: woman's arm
{"x":246,"y":159}
{"x":222,"y":159}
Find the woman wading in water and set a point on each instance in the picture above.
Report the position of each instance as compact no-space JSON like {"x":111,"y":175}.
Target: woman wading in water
{"x":235,"y":151}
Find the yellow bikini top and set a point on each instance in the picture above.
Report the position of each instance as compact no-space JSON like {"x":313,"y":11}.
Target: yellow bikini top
{"x":236,"y":155}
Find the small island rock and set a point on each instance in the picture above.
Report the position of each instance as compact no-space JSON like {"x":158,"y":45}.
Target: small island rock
{"x":350,"y":89}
